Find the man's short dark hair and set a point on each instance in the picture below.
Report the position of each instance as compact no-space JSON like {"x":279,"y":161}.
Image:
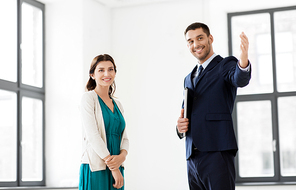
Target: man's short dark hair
{"x":197,"y":25}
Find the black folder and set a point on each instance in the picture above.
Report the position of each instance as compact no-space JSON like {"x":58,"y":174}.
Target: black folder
{"x":186,"y":99}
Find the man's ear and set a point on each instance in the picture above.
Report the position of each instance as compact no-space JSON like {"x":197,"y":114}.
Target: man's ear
{"x":211,"y":38}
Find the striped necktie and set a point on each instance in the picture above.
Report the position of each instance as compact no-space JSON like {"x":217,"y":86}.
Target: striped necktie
{"x":200,"y":69}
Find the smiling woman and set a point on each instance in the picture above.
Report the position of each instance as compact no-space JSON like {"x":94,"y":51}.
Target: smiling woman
{"x":105,"y":143}
{"x":105,"y":61}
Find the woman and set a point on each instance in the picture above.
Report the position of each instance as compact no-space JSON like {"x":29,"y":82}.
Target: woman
{"x":105,"y":142}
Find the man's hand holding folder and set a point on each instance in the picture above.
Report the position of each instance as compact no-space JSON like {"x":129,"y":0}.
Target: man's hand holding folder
{"x":183,"y":121}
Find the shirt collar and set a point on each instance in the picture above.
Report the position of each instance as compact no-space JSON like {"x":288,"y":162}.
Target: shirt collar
{"x":205,"y":64}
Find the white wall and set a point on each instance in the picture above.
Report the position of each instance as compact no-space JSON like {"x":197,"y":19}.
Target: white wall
{"x":63,"y":83}
{"x":76,"y":31}
{"x":148,"y":46}
{"x":152,"y":59}
{"x":96,"y":33}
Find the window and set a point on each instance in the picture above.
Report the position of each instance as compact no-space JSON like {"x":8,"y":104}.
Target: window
{"x":265,"y":110}
{"x":22,"y":93}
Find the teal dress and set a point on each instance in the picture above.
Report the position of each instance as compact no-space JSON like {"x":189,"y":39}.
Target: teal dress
{"x":114,"y":126}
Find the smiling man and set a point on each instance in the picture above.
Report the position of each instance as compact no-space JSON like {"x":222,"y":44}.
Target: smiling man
{"x":210,"y":140}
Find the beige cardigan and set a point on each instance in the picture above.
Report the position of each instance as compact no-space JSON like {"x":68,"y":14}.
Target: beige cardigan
{"x":94,"y":145}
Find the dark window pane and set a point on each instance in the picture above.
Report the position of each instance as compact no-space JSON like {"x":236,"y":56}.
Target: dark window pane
{"x":8,"y":133}
{"x":32,"y":54}
{"x":255,"y":139}
{"x":32,"y":139}
{"x":8,"y":39}
{"x":257,"y":28}
{"x":285,"y":45}
{"x":287,"y":132}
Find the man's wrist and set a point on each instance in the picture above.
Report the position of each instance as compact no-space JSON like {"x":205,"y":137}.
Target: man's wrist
{"x":246,"y":69}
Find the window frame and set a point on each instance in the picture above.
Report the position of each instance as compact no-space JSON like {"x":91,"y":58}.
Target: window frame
{"x":23,"y":90}
{"x":273,"y":97}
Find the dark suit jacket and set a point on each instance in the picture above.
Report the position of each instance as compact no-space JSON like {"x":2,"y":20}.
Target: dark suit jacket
{"x":211,"y":104}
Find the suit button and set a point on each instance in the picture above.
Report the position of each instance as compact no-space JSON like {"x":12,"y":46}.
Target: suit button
{"x":195,"y":98}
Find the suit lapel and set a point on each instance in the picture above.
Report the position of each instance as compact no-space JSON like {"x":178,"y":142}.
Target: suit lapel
{"x":188,"y":79}
{"x":211,"y":65}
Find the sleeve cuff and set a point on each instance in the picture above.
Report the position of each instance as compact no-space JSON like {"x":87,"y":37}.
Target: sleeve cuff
{"x":247,"y":69}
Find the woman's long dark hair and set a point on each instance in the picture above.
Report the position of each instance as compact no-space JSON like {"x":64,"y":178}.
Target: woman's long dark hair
{"x":91,"y":83}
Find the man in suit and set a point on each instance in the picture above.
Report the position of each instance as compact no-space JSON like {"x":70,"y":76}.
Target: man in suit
{"x":210,"y":140}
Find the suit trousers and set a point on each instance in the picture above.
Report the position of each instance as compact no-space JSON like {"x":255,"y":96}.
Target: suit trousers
{"x":211,"y":170}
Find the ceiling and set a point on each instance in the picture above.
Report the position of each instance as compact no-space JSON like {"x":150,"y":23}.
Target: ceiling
{"x":121,"y":3}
